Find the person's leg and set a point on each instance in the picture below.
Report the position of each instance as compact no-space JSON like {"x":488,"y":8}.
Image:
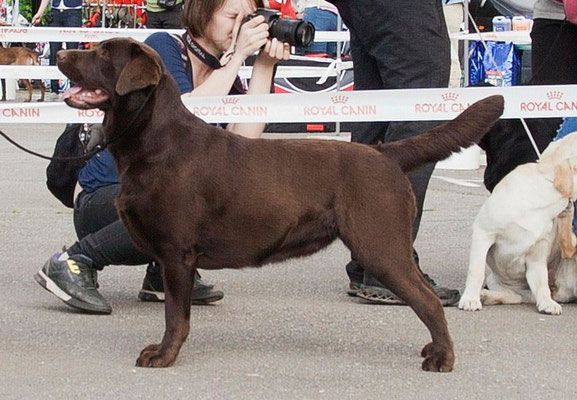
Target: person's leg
{"x":168,"y":19}
{"x":154,"y":20}
{"x":454,"y":19}
{"x":72,"y":275}
{"x":173,"y":18}
{"x":55,"y":47}
{"x":553,"y":52}
{"x":415,"y":53}
{"x":103,"y":240}
{"x":73,"y":18}
{"x":411,"y":50}
{"x":102,"y":236}
{"x":367,"y":76}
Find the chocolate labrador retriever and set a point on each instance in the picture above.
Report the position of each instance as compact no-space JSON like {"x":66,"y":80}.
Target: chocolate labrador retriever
{"x":196,"y":196}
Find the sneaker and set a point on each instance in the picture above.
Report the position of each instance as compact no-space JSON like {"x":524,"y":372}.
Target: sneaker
{"x":374,"y":292}
{"x":153,"y":288}
{"x":74,"y":282}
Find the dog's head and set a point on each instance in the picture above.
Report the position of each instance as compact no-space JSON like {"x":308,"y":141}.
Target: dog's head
{"x":117,"y":67}
{"x":560,"y":149}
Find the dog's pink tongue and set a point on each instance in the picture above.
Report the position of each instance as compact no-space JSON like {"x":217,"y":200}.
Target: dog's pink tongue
{"x":70,"y":92}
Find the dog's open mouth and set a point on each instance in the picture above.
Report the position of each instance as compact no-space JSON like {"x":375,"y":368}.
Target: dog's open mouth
{"x":79,"y":97}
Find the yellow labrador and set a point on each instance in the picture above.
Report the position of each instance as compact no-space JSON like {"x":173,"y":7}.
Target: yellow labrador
{"x":518,"y":233}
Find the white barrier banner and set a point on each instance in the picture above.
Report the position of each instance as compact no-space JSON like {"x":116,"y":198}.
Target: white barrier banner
{"x":517,"y":37}
{"x":355,"y":106}
{"x":50,"y":34}
{"x":52,"y":72}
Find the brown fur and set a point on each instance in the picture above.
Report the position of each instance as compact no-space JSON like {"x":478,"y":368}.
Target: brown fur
{"x":20,"y":56}
{"x":563,"y":182}
{"x":563,"y":179}
{"x":196,"y":196}
{"x":565,"y":235}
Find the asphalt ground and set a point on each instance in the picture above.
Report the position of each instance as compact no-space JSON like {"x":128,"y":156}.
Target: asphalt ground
{"x":285,"y":331}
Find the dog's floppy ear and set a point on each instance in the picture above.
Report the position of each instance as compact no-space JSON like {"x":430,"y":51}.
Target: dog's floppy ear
{"x":142,"y":71}
{"x":563,"y":179}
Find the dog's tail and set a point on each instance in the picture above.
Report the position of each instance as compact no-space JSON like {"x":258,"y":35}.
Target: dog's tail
{"x":438,"y":143}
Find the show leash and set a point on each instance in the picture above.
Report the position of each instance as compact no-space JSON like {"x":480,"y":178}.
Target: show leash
{"x":91,"y":153}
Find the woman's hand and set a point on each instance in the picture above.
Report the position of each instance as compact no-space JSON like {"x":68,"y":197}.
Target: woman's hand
{"x":274,"y":51}
{"x":36,"y":18}
{"x":252,"y":35}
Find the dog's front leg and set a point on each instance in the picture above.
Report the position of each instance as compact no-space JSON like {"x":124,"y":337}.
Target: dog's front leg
{"x":480,"y":245}
{"x":178,"y":280}
{"x":538,"y":279}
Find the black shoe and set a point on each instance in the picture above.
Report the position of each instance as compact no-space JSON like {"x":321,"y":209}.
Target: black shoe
{"x":74,"y":282}
{"x":153,"y":288}
{"x":374,"y":292}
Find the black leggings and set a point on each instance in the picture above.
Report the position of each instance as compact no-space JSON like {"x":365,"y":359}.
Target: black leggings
{"x":102,"y":236}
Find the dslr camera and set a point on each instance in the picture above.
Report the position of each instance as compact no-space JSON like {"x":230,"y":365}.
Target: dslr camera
{"x":292,"y":31}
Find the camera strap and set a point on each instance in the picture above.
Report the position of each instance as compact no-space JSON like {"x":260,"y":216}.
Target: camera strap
{"x":199,"y":52}
{"x":208,"y":59}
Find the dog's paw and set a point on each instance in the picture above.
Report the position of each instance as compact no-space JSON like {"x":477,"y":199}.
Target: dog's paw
{"x":550,"y":307}
{"x":437,"y":358}
{"x":470,"y":303}
{"x":154,"y":357}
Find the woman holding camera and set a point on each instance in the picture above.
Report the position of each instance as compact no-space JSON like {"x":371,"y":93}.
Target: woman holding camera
{"x":218,"y":39}
{"x":205,"y":61}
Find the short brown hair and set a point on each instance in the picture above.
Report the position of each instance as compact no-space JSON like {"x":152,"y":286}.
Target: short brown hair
{"x":196,"y":14}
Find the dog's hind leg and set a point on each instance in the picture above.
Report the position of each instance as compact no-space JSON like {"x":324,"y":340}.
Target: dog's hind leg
{"x":401,"y":276}
{"x":538,"y":279}
{"x":385,"y":251}
{"x":178,"y":279}
{"x":497,"y":293}
{"x":29,"y":88}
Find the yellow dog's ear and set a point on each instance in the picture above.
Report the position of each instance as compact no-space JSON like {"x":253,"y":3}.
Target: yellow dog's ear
{"x":142,"y":71}
{"x":563,"y":180}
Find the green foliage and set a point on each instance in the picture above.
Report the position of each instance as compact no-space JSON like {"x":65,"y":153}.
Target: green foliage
{"x":27,"y":12}
{"x":26,"y":9}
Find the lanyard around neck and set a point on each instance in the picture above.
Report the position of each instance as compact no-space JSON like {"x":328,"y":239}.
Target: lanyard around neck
{"x":200,"y":52}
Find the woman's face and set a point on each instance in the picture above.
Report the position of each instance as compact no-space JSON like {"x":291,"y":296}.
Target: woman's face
{"x":220,"y":27}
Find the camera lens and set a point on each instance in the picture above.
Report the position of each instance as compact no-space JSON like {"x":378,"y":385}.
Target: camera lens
{"x":305,"y":34}
{"x":293,"y":32}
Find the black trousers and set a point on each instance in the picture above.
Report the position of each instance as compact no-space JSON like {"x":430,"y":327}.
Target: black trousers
{"x":62,"y":18}
{"x":397,"y":44}
{"x":102,"y":235}
{"x":167,"y":19}
{"x":553,"y":52}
